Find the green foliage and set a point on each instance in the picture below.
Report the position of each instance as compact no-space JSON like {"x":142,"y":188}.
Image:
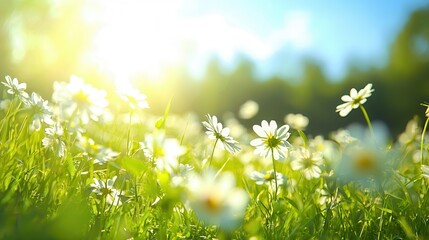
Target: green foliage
{"x":47,"y":196}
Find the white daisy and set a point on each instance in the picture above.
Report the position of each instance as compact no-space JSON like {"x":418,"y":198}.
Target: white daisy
{"x":99,"y":153}
{"x":215,"y":130}
{"x":272,"y":141}
{"x":354,"y":100}
{"x":367,"y":158}
{"x":165,"y":152}
{"x":216,"y":200}
{"x":15,"y":88}
{"x":266,"y":177}
{"x":54,"y":139}
{"x":248,"y":110}
{"x":133,"y":97}
{"x":181,"y":176}
{"x":297,"y":121}
{"x":106,"y":189}
{"x":77,"y":99}
{"x":40,"y":110}
{"x":307,"y":161}
{"x":103,"y":188}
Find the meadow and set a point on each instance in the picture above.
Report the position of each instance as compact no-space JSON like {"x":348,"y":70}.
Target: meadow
{"x":86,"y":164}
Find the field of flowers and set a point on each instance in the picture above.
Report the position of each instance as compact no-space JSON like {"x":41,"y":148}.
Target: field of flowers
{"x":88,"y":165}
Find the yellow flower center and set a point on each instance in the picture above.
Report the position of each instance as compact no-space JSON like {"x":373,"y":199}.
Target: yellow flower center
{"x":212,"y":203}
{"x":272,"y":142}
{"x":357,"y":100}
{"x":307,"y":162}
{"x":106,"y":191}
{"x":159,"y":152}
{"x":365,"y":162}
{"x":81,"y":97}
{"x":269,"y":176}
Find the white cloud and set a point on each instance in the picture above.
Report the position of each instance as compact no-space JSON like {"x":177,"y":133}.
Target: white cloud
{"x":296,"y":31}
{"x":214,"y":34}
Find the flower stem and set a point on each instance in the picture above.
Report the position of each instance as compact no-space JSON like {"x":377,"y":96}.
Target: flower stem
{"x":365,"y":114}
{"x":423,"y":138}
{"x":275,"y":174}
{"x":211,"y":156}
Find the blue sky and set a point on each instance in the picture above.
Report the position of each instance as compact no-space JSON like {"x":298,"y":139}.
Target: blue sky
{"x":275,"y":35}
{"x":335,"y":32}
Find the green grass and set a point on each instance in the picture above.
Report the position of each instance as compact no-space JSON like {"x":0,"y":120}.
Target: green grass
{"x":44,"y":196}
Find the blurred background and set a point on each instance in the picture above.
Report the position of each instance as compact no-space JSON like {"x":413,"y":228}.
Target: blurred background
{"x":212,"y":56}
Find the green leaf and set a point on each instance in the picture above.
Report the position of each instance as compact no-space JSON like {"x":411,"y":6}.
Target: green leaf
{"x":160,"y":124}
{"x":293,"y":204}
{"x":304,"y":138}
{"x":133,"y":166}
{"x":70,"y":166}
{"x":406,"y":227}
{"x":386,"y":210}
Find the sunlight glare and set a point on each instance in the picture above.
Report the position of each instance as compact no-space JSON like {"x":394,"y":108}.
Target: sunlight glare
{"x":135,"y":36}
{"x":144,"y":38}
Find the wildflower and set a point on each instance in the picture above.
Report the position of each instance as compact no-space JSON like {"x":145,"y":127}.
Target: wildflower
{"x":167,"y":155}
{"x":411,"y":133}
{"x":164,"y":151}
{"x":248,"y":110}
{"x":354,"y":100}
{"x":41,"y":111}
{"x":328,"y":148}
{"x":364,"y":161}
{"x":216,"y":131}
{"x":272,"y":141}
{"x":77,"y":99}
{"x":326,"y":197}
{"x":366,"y":158}
{"x":105,"y":189}
{"x":307,"y":161}
{"x":297,"y":121}
{"x":100,"y":154}
{"x":267,"y":178}
{"x":133,"y":97}
{"x":15,"y":88}
{"x":180,"y":177}
{"x":216,"y":200}
{"x":54,"y":139}
{"x":343,"y":137}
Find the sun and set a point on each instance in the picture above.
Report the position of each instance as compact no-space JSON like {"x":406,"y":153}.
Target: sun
{"x":135,"y":36}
